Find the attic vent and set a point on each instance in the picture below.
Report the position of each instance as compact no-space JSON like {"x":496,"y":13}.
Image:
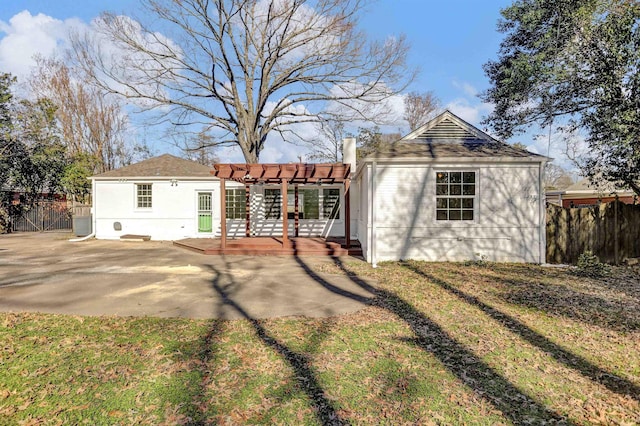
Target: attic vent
{"x":447,"y":129}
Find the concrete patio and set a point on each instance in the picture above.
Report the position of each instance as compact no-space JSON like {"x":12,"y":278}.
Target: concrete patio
{"x":44,"y":272}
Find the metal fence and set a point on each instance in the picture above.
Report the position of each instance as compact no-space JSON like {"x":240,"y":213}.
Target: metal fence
{"x":43,"y":216}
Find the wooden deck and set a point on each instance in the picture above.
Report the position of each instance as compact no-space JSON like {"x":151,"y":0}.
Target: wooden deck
{"x":272,"y":246}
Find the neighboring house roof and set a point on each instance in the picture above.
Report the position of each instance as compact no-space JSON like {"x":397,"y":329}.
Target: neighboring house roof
{"x":449,"y":136}
{"x":584,"y":187}
{"x":163,"y":166}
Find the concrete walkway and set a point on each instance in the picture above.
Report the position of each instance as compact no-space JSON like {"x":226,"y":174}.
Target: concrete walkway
{"x":47,"y":273}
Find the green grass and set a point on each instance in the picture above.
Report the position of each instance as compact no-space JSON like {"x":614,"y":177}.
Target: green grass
{"x":439,"y":344}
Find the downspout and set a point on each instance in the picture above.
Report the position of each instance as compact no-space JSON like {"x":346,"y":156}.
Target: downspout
{"x":374,"y":260}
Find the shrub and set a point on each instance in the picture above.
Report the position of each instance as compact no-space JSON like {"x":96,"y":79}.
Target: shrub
{"x":590,"y":266}
{"x":4,"y":221}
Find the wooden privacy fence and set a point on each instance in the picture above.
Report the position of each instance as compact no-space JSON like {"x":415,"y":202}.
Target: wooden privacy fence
{"x":611,"y":231}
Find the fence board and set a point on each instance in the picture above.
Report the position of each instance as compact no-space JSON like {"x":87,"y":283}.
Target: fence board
{"x":599,"y":229}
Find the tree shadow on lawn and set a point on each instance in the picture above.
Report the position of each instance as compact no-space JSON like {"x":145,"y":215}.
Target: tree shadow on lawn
{"x":306,"y":379}
{"x":590,"y":371}
{"x":188,"y":390}
{"x":601,"y":303}
{"x":465,"y":365}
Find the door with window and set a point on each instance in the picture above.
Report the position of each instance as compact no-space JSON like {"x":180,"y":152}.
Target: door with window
{"x":205,"y":214}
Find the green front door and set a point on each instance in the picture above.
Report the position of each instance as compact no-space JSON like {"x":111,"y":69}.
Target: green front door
{"x":205,"y":223}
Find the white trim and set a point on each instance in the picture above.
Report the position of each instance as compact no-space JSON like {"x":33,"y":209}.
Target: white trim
{"x":476,"y":197}
{"x":197,"y":211}
{"x":542,"y":222}
{"x":136,"y":207}
{"x":374,"y":260}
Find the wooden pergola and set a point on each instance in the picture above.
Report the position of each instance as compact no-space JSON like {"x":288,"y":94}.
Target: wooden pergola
{"x":284,"y":175}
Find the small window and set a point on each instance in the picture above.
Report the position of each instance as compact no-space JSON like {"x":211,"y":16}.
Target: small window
{"x":235,"y":202}
{"x":272,"y":203}
{"x":455,"y":195}
{"x":143,"y":195}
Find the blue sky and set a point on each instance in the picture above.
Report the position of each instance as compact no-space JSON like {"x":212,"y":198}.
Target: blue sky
{"x":450,"y":41}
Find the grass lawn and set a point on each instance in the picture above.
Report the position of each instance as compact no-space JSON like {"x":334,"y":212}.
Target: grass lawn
{"x":441,"y":343}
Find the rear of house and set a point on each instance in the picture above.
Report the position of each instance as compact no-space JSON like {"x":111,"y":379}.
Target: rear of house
{"x":445,"y":192}
{"x":165,"y":197}
{"x":450,"y":192}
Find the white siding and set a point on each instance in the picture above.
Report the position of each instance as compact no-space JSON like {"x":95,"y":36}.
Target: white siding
{"x":173,"y":214}
{"x":506,"y":225}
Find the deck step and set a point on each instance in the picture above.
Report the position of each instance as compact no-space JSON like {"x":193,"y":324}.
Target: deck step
{"x":268,"y":246}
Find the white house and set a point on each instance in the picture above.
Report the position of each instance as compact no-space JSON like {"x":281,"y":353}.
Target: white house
{"x":165,"y":197}
{"x":170,"y":198}
{"x":446,"y":191}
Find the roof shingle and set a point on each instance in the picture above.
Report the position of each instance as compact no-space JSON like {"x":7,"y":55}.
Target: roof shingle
{"x":166,"y":165}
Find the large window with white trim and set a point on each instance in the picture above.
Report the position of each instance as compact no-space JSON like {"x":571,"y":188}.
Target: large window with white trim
{"x":455,"y":195}
{"x":143,"y":195}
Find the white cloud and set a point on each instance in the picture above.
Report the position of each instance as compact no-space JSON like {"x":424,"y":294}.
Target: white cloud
{"x":26,"y":35}
{"x":465,"y":87}
{"x":468,"y":111}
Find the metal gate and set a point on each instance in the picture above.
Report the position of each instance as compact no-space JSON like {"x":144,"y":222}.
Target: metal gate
{"x":43,"y":216}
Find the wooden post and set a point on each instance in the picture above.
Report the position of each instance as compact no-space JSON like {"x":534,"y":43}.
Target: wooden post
{"x":285,"y":222}
{"x":296,"y":219}
{"x":223,"y":215}
{"x":615,"y":231}
{"x":247,"y":207}
{"x":347,"y":213}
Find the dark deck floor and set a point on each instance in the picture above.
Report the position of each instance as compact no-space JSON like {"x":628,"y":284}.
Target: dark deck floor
{"x":266,"y":246}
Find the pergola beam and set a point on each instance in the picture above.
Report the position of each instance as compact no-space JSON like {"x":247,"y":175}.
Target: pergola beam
{"x":283,"y":174}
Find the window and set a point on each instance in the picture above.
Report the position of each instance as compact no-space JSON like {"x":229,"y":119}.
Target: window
{"x":310,"y":205}
{"x":272,"y":203}
{"x":143,"y":195}
{"x":331,"y":203}
{"x":235,"y":200}
{"x":455,"y":195}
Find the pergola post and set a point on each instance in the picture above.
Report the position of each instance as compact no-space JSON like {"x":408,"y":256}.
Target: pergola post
{"x":285,"y":219}
{"x":296,"y":217}
{"x":347,"y":213}
{"x":247,"y":207}
{"x":223,"y":214}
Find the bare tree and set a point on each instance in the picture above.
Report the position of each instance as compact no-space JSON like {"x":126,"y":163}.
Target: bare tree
{"x":199,"y":147}
{"x":92,"y":123}
{"x":327,"y":146}
{"x":246,"y":68}
{"x":420,"y":108}
{"x":557,"y":177}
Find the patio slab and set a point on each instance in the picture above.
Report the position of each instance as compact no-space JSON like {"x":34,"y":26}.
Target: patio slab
{"x":47,"y":273}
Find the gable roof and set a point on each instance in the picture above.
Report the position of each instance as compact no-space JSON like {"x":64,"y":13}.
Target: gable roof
{"x":163,"y":166}
{"x":448,"y":127}
{"x":449,"y":136}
